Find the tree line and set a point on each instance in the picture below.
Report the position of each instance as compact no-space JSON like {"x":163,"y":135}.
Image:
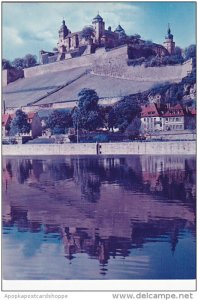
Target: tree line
{"x":88,"y":115}
{"x":27,"y":61}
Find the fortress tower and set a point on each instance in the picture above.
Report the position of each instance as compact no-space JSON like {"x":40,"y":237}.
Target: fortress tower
{"x":99,"y":28}
{"x":169,"y":44}
{"x":63,"y":31}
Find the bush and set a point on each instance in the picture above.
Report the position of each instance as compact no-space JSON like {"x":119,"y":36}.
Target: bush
{"x":101,"y":138}
{"x":136,"y":62}
{"x":155,"y":61}
{"x":58,"y":130}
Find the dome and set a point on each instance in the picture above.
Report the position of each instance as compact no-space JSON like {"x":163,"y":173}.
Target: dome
{"x":98,"y":18}
{"x":63,"y":29}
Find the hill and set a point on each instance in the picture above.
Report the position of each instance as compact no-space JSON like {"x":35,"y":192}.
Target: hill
{"x":106,"y":72}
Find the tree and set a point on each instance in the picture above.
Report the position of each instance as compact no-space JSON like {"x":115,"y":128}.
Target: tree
{"x":123,"y":113}
{"x":88,"y":99}
{"x":87,"y":33}
{"x":58,"y":121}
{"x":6,"y":65}
{"x":133,"y":129}
{"x":178,"y":51}
{"x":20,"y":123}
{"x":30,"y":60}
{"x":190,"y":52}
{"x":134,"y":39}
{"x":87,"y":115}
{"x":18,"y":63}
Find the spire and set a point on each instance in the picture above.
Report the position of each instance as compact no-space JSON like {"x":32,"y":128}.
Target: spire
{"x":169,"y":34}
{"x":98,"y":18}
{"x":168,"y":31}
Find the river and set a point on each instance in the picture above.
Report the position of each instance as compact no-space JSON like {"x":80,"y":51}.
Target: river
{"x":120,"y":217}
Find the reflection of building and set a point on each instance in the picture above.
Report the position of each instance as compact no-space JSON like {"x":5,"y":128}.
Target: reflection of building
{"x":48,"y":198}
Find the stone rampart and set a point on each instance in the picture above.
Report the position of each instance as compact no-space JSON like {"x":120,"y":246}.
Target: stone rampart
{"x":117,"y":67}
{"x":113,"y":63}
{"x":67,"y":64}
{"x":128,"y":148}
{"x":11,"y":75}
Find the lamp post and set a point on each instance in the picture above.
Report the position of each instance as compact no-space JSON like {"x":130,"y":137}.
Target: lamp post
{"x":77,"y":129}
{"x":77,"y":121}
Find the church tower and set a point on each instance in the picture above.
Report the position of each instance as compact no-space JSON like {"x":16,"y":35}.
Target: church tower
{"x":63,"y":31}
{"x":99,"y":28}
{"x":169,"y":44}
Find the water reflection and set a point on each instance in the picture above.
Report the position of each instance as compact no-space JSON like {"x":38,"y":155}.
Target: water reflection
{"x":108,"y":209}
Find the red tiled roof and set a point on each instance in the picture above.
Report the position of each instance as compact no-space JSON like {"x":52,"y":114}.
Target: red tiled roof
{"x":176,"y":110}
{"x":149,"y":110}
{"x":193,"y":111}
{"x":31,"y":115}
{"x":5,"y":119}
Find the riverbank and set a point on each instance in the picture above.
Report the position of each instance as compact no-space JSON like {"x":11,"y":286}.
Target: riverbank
{"x":124,"y":148}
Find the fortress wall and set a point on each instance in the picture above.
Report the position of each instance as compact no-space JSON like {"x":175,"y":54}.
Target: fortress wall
{"x":117,"y":68}
{"x":11,"y":75}
{"x":84,"y":60}
{"x":67,"y":64}
{"x":113,"y":63}
{"x":5,"y":77}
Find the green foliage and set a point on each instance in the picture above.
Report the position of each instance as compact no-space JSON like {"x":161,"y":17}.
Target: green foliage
{"x":30,"y":60}
{"x":88,"y":99}
{"x":89,"y":120}
{"x":87,"y":32}
{"x":178,"y":51}
{"x":58,"y":121}
{"x":134,"y":39}
{"x":87,"y":115}
{"x":18,"y":63}
{"x":6,"y":65}
{"x":190,"y":52}
{"x":20,"y":123}
{"x":136,"y":62}
{"x":123,"y":113}
{"x":155,"y":61}
{"x":133,"y":129}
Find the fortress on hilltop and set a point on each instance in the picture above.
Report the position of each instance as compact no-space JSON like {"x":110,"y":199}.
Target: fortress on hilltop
{"x":90,"y":38}
{"x":96,"y":58}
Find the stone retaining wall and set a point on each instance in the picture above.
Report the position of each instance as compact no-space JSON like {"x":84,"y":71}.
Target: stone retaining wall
{"x":114,"y":64}
{"x":142,"y":148}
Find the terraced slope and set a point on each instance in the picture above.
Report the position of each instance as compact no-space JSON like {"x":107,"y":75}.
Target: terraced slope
{"x":65,"y":85}
{"x":104,"y":86}
{"x":28,"y":90}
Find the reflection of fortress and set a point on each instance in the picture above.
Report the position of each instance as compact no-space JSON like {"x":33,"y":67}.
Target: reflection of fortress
{"x":93,"y":203}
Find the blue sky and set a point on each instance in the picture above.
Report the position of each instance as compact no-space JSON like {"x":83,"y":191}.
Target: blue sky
{"x":30,"y":27}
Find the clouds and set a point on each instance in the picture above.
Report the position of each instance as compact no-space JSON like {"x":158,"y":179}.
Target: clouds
{"x":29,"y":27}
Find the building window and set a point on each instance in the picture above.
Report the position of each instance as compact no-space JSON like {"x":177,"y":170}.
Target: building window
{"x":166,"y":119}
